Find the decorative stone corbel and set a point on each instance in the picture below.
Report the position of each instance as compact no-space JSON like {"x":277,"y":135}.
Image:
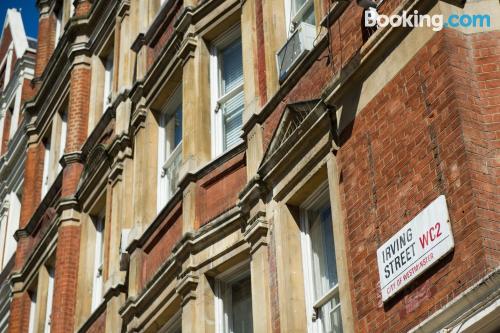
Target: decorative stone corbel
{"x":256,"y":232}
{"x":186,"y":287}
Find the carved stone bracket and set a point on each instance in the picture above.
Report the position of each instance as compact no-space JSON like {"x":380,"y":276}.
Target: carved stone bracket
{"x":256,"y":232}
{"x":186,"y":287}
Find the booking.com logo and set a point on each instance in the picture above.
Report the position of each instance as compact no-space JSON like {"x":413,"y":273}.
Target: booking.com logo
{"x":416,"y":20}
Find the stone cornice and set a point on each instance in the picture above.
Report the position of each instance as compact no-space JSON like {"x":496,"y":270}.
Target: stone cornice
{"x":21,"y":280}
{"x":191,"y":242}
{"x":256,"y":232}
{"x":49,"y":200}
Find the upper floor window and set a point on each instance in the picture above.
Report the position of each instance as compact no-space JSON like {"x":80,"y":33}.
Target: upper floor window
{"x":46,"y":165}
{"x":169,"y":148}
{"x":32,"y":323}
{"x":234,"y":303}
{"x":226,"y":77}
{"x":320,"y":267}
{"x":63,"y":120}
{"x":98,"y":283}
{"x":59,"y":23}
{"x":298,"y":11}
{"x":108,"y":80}
{"x":50,"y":297}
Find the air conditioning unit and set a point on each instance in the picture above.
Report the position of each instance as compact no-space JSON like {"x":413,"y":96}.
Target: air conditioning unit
{"x":296,"y":47}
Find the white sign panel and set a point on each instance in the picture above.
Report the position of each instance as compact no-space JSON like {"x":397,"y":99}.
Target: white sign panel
{"x":415,"y":248}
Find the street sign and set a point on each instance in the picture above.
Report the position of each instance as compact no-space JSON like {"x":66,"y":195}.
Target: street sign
{"x":415,"y":248}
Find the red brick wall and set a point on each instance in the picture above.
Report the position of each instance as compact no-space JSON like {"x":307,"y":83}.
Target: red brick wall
{"x":46,"y":42}
{"x":160,"y":245}
{"x":166,"y":32}
{"x":407,"y":146}
{"x":6,"y":40}
{"x":260,"y":52}
{"x":483,"y":127}
{"x":218,"y":191}
{"x":6,"y":130}
{"x":65,"y":279}
{"x":345,"y":42}
{"x":19,"y":313}
{"x":79,"y":100}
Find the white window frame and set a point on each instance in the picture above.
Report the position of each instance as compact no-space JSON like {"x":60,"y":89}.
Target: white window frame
{"x":16,"y":111}
{"x":12,"y":220}
{"x":216,"y":100}
{"x":46,"y":166}
{"x":314,"y":324}
{"x":50,"y":298}
{"x":108,"y":80}
{"x":32,"y":318}
{"x":97,"y":271}
{"x":293,"y":21}
{"x":223,"y":282}
{"x":167,"y":153}
{"x":64,"y":130}
{"x":59,"y":17}
{"x":13,"y":123}
{"x":72,"y":8}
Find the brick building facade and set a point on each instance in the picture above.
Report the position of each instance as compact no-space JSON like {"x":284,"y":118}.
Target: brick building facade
{"x":17,"y":63}
{"x":234,"y":166}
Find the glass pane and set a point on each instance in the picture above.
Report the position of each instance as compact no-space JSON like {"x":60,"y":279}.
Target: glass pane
{"x":329,"y":315}
{"x":178,"y":127}
{"x":232,"y":113}
{"x":308,"y":16}
{"x":296,"y":4}
{"x":323,"y":251}
{"x":242,"y":306}
{"x":231,"y":67}
{"x":303,"y":11}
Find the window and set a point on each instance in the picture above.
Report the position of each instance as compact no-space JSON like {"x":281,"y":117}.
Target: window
{"x":227,"y":90}
{"x":108,"y":80}
{"x":32,"y":323}
{"x":12,"y":224}
{"x":320,"y":268}
{"x":169,"y":148}
{"x":46,"y":166}
{"x":298,"y":11}
{"x":9,"y":124}
{"x":50,"y":295}
{"x":64,"y":131}
{"x":59,"y":23}
{"x":234,"y":304}
{"x":98,"y":261}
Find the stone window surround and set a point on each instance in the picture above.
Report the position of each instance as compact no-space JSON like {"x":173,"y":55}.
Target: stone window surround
{"x":39,"y":288}
{"x":86,"y":303}
{"x":222,"y":281}
{"x":288,"y":232}
{"x":63,"y":11}
{"x":101,"y":59}
{"x":164,"y":137}
{"x":225,"y":39}
{"x":311,"y":308}
{"x":54,"y":141}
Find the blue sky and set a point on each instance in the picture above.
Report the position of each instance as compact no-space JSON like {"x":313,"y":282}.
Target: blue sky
{"x":29,"y":11}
